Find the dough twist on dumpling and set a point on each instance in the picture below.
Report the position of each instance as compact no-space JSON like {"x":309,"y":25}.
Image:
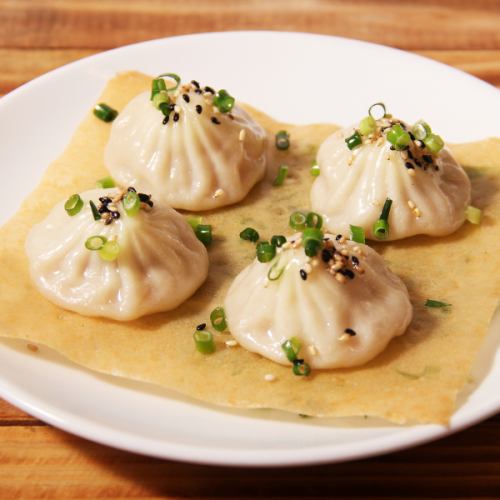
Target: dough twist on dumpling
{"x":362,"y":166}
{"x":191,"y":147}
{"x":113,"y":253}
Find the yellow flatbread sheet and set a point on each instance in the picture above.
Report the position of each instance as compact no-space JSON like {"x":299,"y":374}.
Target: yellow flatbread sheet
{"x":416,"y":379}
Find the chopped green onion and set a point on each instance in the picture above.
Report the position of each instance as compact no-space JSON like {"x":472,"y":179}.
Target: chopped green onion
{"x":312,"y":233}
{"x":109,"y":251}
{"x":282,"y":140}
{"x":354,"y":141}
{"x":421,"y":130}
{"x":106,"y":183}
{"x":280,"y":178}
{"x":357,"y":234}
{"x":249,"y":234}
{"x":204,"y":233}
{"x":398,"y":136}
{"x":291,"y":348}
{"x":172,"y":76}
{"x":160,"y":98}
{"x":315,"y":169}
{"x":473,"y":214}
{"x":157,"y":85}
{"x":301,"y":368}
{"x":194,"y":221}
{"x":434,"y":143}
{"x":278,"y":240}
{"x":95,"y":212}
{"x":131,"y":203}
{"x":275,"y":271}
{"x":367,"y":125}
{"x":311,"y":247}
{"x":204,"y":341}
{"x":104,"y":112}
{"x":314,"y":220}
{"x":381,"y":226}
{"x":95,"y":242}
{"x":223,"y":101}
{"x":298,"y":221}
{"x":375,"y":107}
{"x":436,"y":303}
{"x":218,"y":319}
{"x":265,"y":251}
{"x":73,"y":204}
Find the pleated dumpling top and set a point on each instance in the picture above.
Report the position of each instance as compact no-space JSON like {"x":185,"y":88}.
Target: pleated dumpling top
{"x":363,"y":166}
{"x":122,"y":258}
{"x":195,"y":150}
{"x":342,"y":306}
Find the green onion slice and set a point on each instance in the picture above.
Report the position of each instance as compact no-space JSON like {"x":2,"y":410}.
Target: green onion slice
{"x":473,"y":214}
{"x":312,"y":233}
{"x":421,"y":130}
{"x":436,"y":303}
{"x":104,"y":112}
{"x":282,"y":140}
{"x":131,"y":203}
{"x":357,"y":234}
{"x":204,"y":233}
{"x":109,"y":251}
{"x":278,"y":240}
{"x":95,"y":242}
{"x":218,"y":319}
{"x":301,"y":368}
{"x":249,"y":234}
{"x":172,"y":76}
{"x":265,"y":251}
{"x":434,"y":143}
{"x":223,"y":101}
{"x":291,"y":348}
{"x":398,"y":136}
{"x":367,"y":125}
{"x":73,"y":204}
{"x":95,"y":212}
{"x":381,"y":226}
{"x":204,"y":341}
{"x":377,"y":111}
{"x":282,"y":174}
{"x":106,"y":183}
{"x":314,"y":220}
{"x":157,"y":85}
{"x":275,"y":271}
{"x":384,"y":215}
{"x":298,"y":221}
{"x":311,"y":247}
{"x":194,"y":221}
{"x":315,"y":170}
{"x":354,"y":141}
{"x":160,"y":98}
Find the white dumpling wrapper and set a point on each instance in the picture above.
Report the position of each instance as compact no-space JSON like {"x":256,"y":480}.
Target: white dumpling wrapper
{"x":353,"y":186}
{"x":191,"y":163}
{"x":161,"y":262}
{"x":262,"y":314}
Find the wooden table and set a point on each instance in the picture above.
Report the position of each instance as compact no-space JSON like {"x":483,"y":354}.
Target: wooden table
{"x":39,"y":461}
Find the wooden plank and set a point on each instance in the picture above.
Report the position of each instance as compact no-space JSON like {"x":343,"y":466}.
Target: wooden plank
{"x":21,"y":65}
{"x":99,"y":24}
{"x":44,"y":462}
{"x":10,"y":415}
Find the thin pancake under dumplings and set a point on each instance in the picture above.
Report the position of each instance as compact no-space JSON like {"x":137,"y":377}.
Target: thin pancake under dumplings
{"x":416,"y":379}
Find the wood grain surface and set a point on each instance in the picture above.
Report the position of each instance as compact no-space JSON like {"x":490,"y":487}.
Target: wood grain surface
{"x":38,"y":461}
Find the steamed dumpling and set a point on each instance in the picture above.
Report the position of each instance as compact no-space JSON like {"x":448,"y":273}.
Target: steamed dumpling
{"x":344,"y":311}
{"x":430,"y":192}
{"x":199,"y":159}
{"x":159,"y":265}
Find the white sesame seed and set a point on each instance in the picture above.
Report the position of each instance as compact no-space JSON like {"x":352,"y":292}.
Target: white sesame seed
{"x":177,"y":109}
{"x":315,"y":262}
{"x":411,"y":204}
{"x":215,"y":110}
{"x":417,"y":212}
{"x":269,"y":377}
{"x":243,"y":132}
{"x":308,"y":268}
{"x":231,"y":343}
{"x":411,"y":171}
{"x":338,"y":266}
{"x":340,"y":278}
{"x":312,"y":350}
{"x":218,"y":193}
{"x":344,"y":337}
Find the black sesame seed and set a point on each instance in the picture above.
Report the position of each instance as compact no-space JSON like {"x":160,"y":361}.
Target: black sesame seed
{"x":403,"y":126}
{"x":103,"y":209}
{"x":131,"y":189}
{"x":303,"y":274}
{"x":109,"y":220}
{"x":209,"y":89}
{"x":427,"y":158}
{"x":409,"y":166}
{"x":326,"y":255}
{"x":197,"y":91}
{"x":392,"y":148}
{"x":195,"y":83}
{"x":436,"y":168}
{"x":144,"y":197}
{"x":347,"y":273}
{"x":105,"y":200}
{"x":215,"y":120}
{"x":171,"y":107}
{"x":355,"y":260}
{"x":186,"y":97}
{"x":418,"y":162}
{"x":165,"y":120}
{"x":231,"y":116}
{"x":412,"y":137}
{"x":115,"y":215}
{"x":350,"y":332}
{"x":338,"y":237}
{"x":176,"y":117}
{"x":410,"y":155}
{"x":199,"y":109}
{"x":201,"y":327}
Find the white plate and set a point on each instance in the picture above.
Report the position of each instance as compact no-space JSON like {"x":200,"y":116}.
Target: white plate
{"x":296,"y":77}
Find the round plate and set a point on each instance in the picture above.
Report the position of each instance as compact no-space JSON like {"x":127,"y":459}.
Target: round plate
{"x":295,"y":77}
